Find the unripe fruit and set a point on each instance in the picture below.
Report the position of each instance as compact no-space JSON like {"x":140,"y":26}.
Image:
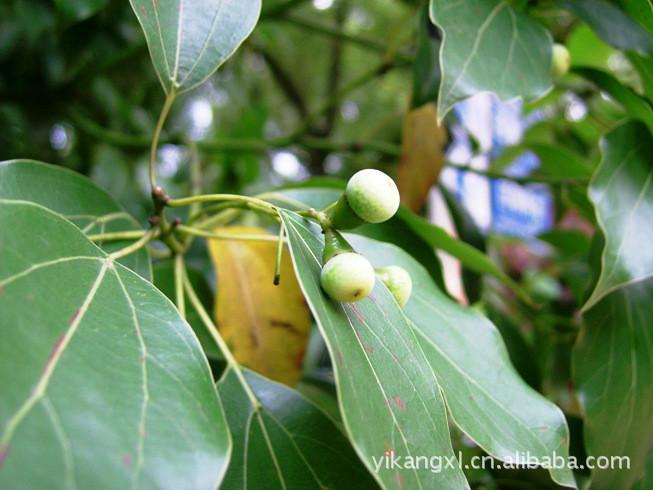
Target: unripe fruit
{"x":398,"y":281}
{"x":372,"y":195}
{"x":560,"y":62}
{"x":347,"y":277}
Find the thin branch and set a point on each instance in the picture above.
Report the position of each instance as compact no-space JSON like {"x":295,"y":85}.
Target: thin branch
{"x":117,"y":236}
{"x":187,"y":230}
{"x":222,"y":345}
{"x":180,"y":299}
{"x":157,"y":135}
{"x":251,"y":202}
{"x":284,"y":80}
{"x":243,"y":145}
{"x":136,"y":246}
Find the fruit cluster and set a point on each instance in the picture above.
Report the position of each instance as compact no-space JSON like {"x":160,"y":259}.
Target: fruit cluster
{"x":370,"y":197}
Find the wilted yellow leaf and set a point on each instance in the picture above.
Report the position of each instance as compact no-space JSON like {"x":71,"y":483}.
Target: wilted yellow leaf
{"x":266,"y":326}
{"x":422,"y":155}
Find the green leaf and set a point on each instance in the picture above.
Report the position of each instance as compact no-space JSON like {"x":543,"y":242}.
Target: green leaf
{"x":75,"y":197}
{"x":635,"y":105}
{"x":646,"y":483}
{"x":78,"y":10}
{"x":188,"y":41}
{"x":622,"y":193}
{"x":488,"y":46}
{"x":287,"y":443}
{"x":486,"y":397}
{"x":112,"y":389}
{"x":644,"y":67}
{"x":426,"y":69}
{"x":471,"y":257}
{"x":389,"y":396}
{"x":164,"y":280}
{"x":612,"y":25}
{"x":613,"y":370}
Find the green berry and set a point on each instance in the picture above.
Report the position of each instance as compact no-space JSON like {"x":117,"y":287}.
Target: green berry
{"x":347,"y":277}
{"x":561,"y":61}
{"x":372,"y":195}
{"x":398,"y":281}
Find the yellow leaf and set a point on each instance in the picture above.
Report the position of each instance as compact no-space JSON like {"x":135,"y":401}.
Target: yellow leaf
{"x":422,"y":155}
{"x":266,"y":326}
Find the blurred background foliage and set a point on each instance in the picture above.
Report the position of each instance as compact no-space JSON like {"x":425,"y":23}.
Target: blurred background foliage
{"x":322,"y":89}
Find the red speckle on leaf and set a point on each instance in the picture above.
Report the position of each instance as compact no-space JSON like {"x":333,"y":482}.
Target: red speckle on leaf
{"x":339,"y":357}
{"x":399,"y":402}
{"x":571,"y":386}
{"x":400,"y":481}
{"x":4,"y":451}
{"x":127,"y":460}
{"x":372,"y":299}
{"x":357,"y":313}
{"x":369,"y":349}
{"x":74,"y":317}
{"x":53,"y":353}
{"x":141,"y":433}
{"x":388,"y":452}
{"x":2,"y":290}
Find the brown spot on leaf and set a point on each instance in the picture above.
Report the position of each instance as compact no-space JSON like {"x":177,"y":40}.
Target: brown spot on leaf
{"x":53,"y":353}
{"x":285,"y":325}
{"x":357,"y":313}
{"x":74,"y":317}
{"x":400,"y":481}
{"x":399,"y":402}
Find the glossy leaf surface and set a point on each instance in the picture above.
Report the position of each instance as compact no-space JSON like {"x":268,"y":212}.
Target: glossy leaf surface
{"x":622,"y":193}
{"x":489,"y":46}
{"x":113,"y":389}
{"x":389,"y":396}
{"x":636,"y":106}
{"x":486,"y":397}
{"x":77,"y":198}
{"x":189,"y":40}
{"x":614,"y":374}
{"x":288,"y":443}
{"x":612,"y":25}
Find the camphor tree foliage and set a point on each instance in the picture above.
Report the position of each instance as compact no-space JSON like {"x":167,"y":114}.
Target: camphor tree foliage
{"x":212,"y":283}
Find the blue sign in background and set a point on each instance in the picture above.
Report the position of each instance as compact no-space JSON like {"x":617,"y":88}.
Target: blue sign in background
{"x":517,"y":210}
